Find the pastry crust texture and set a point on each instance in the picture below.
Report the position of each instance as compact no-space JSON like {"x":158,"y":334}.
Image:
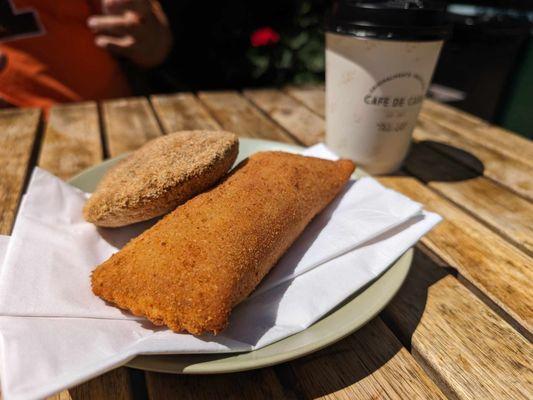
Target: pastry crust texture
{"x":161,"y":175}
{"x":190,"y":269}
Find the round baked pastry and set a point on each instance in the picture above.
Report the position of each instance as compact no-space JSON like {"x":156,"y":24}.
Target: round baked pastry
{"x":161,"y":175}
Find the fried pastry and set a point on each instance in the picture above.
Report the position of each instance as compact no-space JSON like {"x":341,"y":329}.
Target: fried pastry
{"x":159,"y":176}
{"x":190,"y":269}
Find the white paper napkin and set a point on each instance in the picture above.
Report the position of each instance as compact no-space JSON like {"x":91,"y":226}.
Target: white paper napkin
{"x":55,"y":333}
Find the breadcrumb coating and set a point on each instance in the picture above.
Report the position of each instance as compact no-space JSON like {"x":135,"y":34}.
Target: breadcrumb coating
{"x":160,"y":175}
{"x":190,"y":269}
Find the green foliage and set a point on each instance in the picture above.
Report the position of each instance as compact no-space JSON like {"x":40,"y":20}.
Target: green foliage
{"x":298,"y":57}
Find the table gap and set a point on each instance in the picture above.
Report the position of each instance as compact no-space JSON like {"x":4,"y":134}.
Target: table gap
{"x":289,"y":93}
{"x":495,"y":307}
{"x":467,"y":211}
{"x":208,"y":110}
{"x":137,"y":379}
{"x":30,"y":165}
{"x":32,"y":162}
{"x":156,"y":115}
{"x":103,"y":132}
{"x":265,"y":115}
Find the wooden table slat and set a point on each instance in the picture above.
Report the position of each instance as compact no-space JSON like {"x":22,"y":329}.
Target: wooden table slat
{"x":128,"y":124}
{"x":468,"y":349}
{"x":113,"y":385}
{"x":479,"y":131}
{"x":235,"y":113}
{"x":370,"y":364}
{"x":493,"y":204}
{"x":508,"y":172}
{"x":498,"y":269}
{"x":71,"y":140}
{"x":298,"y":120}
{"x":259,"y":384}
{"x":18,"y":133}
{"x":312,"y":97}
{"x":182,"y":111}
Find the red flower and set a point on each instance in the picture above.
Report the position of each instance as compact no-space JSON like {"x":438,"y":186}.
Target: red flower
{"x":264,"y":37}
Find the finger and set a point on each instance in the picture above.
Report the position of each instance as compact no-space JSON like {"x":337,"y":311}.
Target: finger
{"x":115,"y":25}
{"x":120,"y":6}
{"x":117,"y":45}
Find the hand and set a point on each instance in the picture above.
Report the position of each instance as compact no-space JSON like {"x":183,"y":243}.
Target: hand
{"x":135,"y":29}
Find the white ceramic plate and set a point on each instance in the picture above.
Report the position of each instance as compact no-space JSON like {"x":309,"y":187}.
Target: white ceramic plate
{"x":345,"y":319}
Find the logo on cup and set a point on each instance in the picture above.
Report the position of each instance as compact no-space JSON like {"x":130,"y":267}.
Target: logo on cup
{"x":396,"y":101}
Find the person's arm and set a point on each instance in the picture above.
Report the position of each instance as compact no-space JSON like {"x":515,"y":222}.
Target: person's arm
{"x":135,"y":29}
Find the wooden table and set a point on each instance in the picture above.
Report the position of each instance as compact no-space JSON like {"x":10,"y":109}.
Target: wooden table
{"x":460,"y":327}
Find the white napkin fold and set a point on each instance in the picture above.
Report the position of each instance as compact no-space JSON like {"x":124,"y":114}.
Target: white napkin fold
{"x":55,"y":333}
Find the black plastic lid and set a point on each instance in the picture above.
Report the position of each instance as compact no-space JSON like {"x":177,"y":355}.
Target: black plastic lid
{"x":417,"y":20}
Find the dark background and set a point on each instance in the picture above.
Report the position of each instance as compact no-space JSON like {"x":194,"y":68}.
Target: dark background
{"x":487,"y":63}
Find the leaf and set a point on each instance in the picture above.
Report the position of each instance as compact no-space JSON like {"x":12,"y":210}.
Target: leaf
{"x":312,"y":55}
{"x":260,"y":63}
{"x":297,"y":41}
{"x":285,"y":60}
{"x":305,"y":7}
{"x":304,"y":77}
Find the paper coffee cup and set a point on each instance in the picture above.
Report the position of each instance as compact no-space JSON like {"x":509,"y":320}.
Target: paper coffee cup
{"x":380,"y":57}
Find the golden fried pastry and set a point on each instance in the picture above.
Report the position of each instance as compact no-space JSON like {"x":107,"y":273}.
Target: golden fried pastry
{"x":190,"y":269}
{"x":159,"y":176}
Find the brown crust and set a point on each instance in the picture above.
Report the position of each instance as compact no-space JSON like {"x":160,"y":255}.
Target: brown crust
{"x":190,"y":269}
{"x":159,"y":176}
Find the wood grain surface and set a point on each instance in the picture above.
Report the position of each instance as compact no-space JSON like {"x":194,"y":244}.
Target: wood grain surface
{"x":458,"y":339}
{"x":236,"y":114}
{"x":312,"y":97}
{"x":500,"y":270}
{"x":481,"y":132}
{"x":113,"y":385}
{"x":128,"y":124}
{"x":18,"y":132}
{"x":510,"y":215}
{"x":505,"y":170}
{"x":71,"y":141}
{"x":182,"y":111}
{"x":370,"y":364}
{"x":303,"y":124}
{"x":259,"y":384}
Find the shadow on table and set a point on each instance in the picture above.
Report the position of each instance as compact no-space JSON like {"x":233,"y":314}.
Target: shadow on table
{"x":404,"y":313}
{"x":357,"y":357}
{"x":438,"y":162}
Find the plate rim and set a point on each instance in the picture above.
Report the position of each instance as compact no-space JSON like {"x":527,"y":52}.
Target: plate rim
{"x":149,"y":362}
